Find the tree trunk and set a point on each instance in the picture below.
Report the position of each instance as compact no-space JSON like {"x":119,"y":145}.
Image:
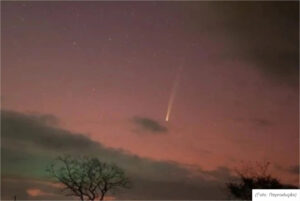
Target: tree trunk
{"x":102,"y":197}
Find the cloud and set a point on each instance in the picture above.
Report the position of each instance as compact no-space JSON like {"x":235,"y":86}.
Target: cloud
{"x":291,"y":169}
{"x":258,"y":122}
{"x":29,"y":144}
{"x":294,"y":169}
{"x":263,"y":34}
{"x":220,"y":173}
{"x":177,"y":190}
{"x":36,"y":192}
{"x":150,"y":125}
{"x":47,"y":119}
{"x":271,"y":38}
{"x":266,"y":34}
{"x":28,"y":189}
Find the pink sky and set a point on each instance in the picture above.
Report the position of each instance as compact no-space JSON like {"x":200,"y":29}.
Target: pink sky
{"x":96,"y":71}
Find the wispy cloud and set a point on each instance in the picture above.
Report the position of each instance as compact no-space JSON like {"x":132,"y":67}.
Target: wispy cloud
{"x":256,"y":121}
{"x":260,"y":122}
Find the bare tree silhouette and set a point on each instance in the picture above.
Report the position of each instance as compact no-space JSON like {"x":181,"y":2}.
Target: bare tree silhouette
{"x":87,"y":178}
{"x":251,"y":178}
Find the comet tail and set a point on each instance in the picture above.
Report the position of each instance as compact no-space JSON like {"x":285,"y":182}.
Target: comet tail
{"x":173,"y":94}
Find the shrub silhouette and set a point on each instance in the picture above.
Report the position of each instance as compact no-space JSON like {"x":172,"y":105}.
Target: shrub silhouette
{"x":257,"y":180}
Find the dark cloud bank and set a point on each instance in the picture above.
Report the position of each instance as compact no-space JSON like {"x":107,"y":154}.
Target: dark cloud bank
{"x":265,"y":34}
{"x":29,"y":143}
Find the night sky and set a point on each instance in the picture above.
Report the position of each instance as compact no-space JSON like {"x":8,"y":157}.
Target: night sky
{"x":97,"y":78}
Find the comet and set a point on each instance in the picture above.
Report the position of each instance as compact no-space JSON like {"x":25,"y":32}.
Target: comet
{"x":173,"y":94}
